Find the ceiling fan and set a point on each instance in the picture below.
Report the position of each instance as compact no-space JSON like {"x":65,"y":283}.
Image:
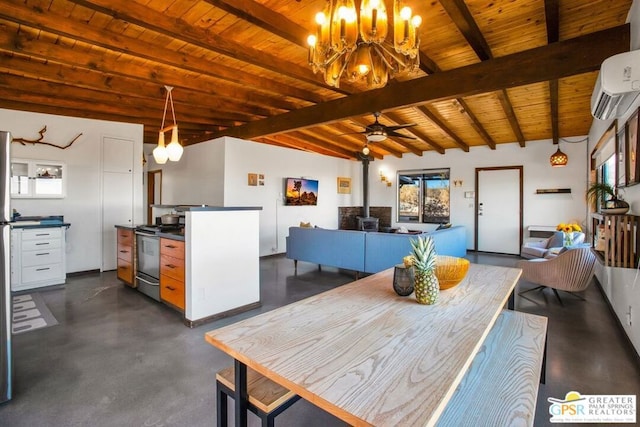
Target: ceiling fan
{"x":376,"y":131}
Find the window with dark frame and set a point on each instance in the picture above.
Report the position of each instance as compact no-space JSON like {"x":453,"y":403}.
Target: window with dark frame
{"x":423,"y":196}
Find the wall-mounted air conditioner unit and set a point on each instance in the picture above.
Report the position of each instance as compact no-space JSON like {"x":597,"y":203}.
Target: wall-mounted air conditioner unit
{"x":617,"y":86}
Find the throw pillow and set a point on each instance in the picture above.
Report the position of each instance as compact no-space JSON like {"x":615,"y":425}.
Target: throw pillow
{"x":305,"y":224}
{"x":444,"y":226}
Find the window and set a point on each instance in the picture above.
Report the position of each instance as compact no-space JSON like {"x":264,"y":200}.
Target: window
{"x":423,"y":196}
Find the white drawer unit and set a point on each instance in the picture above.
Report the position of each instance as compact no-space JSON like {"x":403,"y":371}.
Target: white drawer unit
{"x":37,"y":257}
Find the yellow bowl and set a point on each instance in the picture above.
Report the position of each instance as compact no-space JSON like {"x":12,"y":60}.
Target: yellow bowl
{"x":450,"y":270}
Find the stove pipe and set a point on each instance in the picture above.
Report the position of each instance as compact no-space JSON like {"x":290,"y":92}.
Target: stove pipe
{"x":365,"y":187}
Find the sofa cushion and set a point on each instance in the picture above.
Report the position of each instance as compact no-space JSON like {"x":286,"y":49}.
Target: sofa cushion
{"x":533,"y":252}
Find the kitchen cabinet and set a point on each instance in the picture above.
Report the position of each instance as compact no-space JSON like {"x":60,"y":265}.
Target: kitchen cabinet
{"x":172,"y":289}
{"x":37,"y":257}
{"x":37,"y":179}
{"x":126,"y":251}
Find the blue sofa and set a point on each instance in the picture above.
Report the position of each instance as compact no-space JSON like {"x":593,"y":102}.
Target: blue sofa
{"x":384,"y":250}
{"x":368,"y":252}
{"x":337,"y":248}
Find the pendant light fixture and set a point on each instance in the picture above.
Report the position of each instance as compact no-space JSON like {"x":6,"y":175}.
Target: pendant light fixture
{"x":558,"y":159}
{"x":174,"y":150}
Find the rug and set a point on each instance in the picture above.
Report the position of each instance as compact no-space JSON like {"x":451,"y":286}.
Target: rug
{"x":30,"y":313}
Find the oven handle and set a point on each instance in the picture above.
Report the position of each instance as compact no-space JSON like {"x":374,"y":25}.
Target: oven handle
{"x":145,"y":233}
{"x":147,"y":282}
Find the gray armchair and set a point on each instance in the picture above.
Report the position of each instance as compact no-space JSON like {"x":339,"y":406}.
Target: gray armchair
{"x":571,"y":271}
{"x":541,"y":249}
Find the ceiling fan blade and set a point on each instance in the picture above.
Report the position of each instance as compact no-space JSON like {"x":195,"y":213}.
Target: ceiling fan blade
{"x":392,"y":133}
{"x":396,"y":127}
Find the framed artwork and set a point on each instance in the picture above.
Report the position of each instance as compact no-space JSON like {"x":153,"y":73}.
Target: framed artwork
{"x":344,"y":185}
{"x":621,"y":154}
{"x":252,"y":179}
{"x":631,"y":131}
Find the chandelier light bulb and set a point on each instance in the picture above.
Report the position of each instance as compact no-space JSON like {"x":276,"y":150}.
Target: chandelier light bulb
{"x":405,"y":13}
{"x":312,"y":40}
{"x":416,"y":21}
{"x":321,"y":19}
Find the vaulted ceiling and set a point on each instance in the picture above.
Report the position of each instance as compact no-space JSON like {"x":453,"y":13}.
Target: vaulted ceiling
{"x":491,"y":72}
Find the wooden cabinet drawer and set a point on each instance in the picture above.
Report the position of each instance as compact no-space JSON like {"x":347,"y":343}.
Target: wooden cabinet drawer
{"x":41,"y":244}
{"x":125,"y":252}
{"x":125,"y":271}
{"x":172,"y":248}
{"x":125,"y":237}
{"x":172,"y":267}
{"x":41,"y":257}
{"x":172,"y":291}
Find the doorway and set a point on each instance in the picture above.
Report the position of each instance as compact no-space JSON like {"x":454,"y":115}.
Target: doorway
{"x":154,"y":192}
{"x":499,"y":209}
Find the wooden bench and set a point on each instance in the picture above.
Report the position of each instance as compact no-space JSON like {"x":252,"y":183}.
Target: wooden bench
{"x":266,"y":398}
{"x":501,"y":386}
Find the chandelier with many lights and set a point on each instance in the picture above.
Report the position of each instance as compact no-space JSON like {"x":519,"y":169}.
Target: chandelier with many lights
{"x":355,"y":46}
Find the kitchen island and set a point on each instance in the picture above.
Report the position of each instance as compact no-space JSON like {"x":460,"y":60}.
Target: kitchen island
{"x":215,"y":259}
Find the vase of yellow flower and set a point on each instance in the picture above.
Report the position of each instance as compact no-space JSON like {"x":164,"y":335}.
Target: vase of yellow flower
{"x":567,"y":231}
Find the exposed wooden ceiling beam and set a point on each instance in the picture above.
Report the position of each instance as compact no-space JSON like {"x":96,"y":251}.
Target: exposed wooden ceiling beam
{"x":475,"y":123}
{"x":145,"y":17}
{"x":313,"y":140}
{"x":144,"y":107}
{"x":305,"y":145}
{"x":552,"y":18}
{"x":442,"y":125}
{"x":94,"y":80}
{"x":407,"y":143}
{"x":322,"y":134}
{"x":565,"y":58}
{"x":34,"y":17}
{"x":26,"y":45}
{"x":265,"y":18}
{"x":503,"y":96}
{"x":7,"y":101}
{"x":461,"y":16}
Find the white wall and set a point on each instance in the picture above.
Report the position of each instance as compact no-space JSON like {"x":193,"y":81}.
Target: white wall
{"x":620,"y":284}
{"x":538,"y":209}
{"x":215,"y":173}
{"x":197,"y":178}
{"x":82,"y":205}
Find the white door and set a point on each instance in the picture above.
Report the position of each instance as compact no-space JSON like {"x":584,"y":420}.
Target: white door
{"x":498,"y":212}
{"x":117,"y":195}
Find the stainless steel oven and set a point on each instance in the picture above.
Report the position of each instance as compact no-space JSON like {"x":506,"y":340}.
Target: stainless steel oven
{"x":148,"y":273}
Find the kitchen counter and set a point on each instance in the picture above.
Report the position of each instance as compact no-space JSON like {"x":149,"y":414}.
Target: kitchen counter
{"x":39,"y":222}
{"x":221,"y":261}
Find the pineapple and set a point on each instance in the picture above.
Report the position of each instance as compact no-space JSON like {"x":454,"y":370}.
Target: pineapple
{"x":427,"y":287}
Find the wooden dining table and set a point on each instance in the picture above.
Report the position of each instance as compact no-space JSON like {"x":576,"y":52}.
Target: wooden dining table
{"x":367,"y":355}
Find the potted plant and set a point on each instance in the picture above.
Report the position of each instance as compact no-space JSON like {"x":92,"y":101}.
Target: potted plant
{"x":608,"y":194}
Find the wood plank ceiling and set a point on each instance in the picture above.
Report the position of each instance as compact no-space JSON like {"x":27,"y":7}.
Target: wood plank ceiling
{"x":492,"y":72}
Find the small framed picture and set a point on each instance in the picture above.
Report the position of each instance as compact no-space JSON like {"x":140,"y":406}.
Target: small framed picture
{"x":631,"y":154}
{"x":344,"y":185}
{"x":621,"y":154}
{"x":252,"y":179}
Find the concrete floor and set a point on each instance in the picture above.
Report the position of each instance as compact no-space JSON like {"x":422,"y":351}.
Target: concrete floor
{"x":118,"y":358}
